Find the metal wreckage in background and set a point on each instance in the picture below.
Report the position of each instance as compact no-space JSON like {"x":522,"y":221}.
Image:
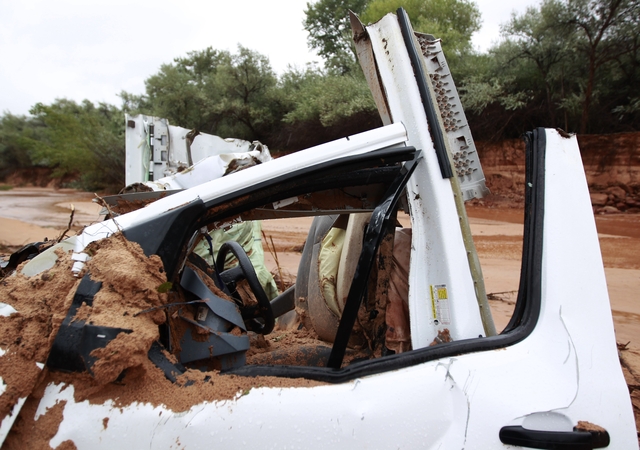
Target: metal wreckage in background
{"x":430,"y":370}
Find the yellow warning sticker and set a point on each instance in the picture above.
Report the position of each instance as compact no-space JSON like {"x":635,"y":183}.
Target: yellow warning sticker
{"x":440,"y":304}
{"x":433,"y":304}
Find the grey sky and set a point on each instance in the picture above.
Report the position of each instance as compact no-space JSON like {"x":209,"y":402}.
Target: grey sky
{"x":94,"y":49}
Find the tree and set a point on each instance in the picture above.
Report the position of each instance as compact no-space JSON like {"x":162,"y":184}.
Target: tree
{"x":80,"y":140}
{"x":453,"y":21}
{"x":15,"y":132}
{"x":213,"y":91}
{"x":186,"y":91}
{"x":244,"y":86}
{"x":605,"y":31}
{"x":538,"y":38}
{"x":627,"y":108}
{"x":496,"y":104}
{"x":529,"y":40}
{"x":328,"y":98}
{"x":327,"y":22}
{"x":548,"y":70}
{"x":318,"y":106}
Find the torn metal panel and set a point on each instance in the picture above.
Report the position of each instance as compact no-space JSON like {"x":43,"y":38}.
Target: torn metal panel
{"x":230,"y":186}
{"x":466,"y":162}
{"x":465,"y":159}
{"x":368,"y":63}
{"x":431,"y":201}
{"x":155,"y":149}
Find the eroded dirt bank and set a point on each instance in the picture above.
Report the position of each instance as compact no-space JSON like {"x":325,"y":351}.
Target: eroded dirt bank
{"x":612,"y":165}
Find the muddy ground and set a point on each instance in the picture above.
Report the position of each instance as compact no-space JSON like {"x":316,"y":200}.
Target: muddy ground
{"x":33,"y":214}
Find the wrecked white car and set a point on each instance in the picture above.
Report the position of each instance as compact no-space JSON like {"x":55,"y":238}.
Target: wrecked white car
{"x":386,"y":339}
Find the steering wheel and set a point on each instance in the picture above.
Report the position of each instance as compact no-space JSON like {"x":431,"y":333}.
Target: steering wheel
{"x":246,"y":271}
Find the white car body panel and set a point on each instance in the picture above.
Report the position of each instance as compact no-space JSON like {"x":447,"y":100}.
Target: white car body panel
{"x":430,"y":197}
{"x":170,"y":150}
{"x":389,"y":136}
{"x":554,"y":377}
{"x":562,"y":370}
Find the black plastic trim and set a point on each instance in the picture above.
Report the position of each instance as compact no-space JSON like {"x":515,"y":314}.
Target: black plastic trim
{"x":536,"y":143}
{"x":316,"y":177}
{"x":21,"y":255}
{"x":425,"y":94}
{"x":284,"y":302}
{"x":170,"y":369}
{"x":249,"y":273}
{"x":75,"y":339}
{"x":556,"y":440}
{"x":381,"y":219}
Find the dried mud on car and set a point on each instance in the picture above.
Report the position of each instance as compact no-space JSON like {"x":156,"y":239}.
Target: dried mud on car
{"x":122,"y":371}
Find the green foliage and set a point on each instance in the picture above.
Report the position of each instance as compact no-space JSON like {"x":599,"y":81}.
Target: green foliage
{"x":165,"y":287}
{"x":327,"y":22}
{"x":245,"y":86}
{"x":606,"y":31}
{"x":557,"y":64}
{"x":15,"y":135}
{"x":185,"y":91}
{"x":214,"y":91}
{"x":328,"y":98}
{"x":478,"y":94}
{"x":80,"y":139}
{"x":453,"y":21}
{"x":134,"y":104}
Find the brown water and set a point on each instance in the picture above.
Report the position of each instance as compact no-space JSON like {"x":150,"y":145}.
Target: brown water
{"x":47,"y":207}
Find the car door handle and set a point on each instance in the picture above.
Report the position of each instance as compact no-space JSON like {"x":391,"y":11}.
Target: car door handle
{"x":557,"y":440}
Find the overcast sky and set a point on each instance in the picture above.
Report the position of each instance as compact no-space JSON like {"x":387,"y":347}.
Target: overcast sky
{"x":95,"y":49}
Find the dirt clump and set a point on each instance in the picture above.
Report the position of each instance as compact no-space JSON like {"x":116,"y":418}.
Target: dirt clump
{"x":26,"y":336}
{"x":131,"y":297}
{"x":130,"y":282}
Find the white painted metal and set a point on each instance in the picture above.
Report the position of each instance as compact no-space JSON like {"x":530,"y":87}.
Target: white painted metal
{"x":565,"y":371}
{"x":575,"y":291}
{"x":431,"y":201}
{"x":466,"y":162}
{"x":9,"y":419}
{"x":204,"y":170}
{"x":170,"y":148}
{"x":388,"y":136}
